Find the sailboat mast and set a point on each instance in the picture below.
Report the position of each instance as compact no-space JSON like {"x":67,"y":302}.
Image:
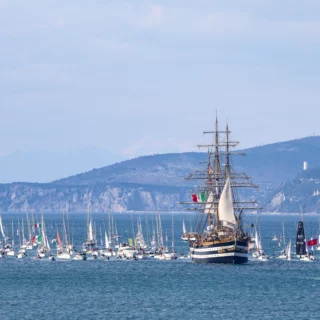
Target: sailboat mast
{"x":12,"y":240}
{"x":217,"y":172}
{"x":227,"y":173}
{"x":19,"y":233}
{"x":283,"y":235}
{"x":133,"y":235}
{"x":172,"y":234}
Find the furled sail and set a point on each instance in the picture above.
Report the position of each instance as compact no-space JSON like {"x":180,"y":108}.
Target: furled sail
{"x":288,"y":250}
{"x":90,"y":231}
{"x":257,"y":241}
{"x":106,"y":240}
{"x":301,"y":240}
{"x":1,"y":228}
{"x":226,"y":213}
{"x":184,"y":230}
{"x":209,"y":209}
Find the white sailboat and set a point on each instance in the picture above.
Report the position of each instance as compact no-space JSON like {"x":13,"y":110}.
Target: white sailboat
{"x":283,"y":254}
{"x":2,"y":253}
{"x":106,"y":252}
{"x":44,"y":246}
{"x":22,"y":252}
{"x":65,"y":249}
{"x":288,"y":250}
{"x":184,"y":236}
{"x":90,"y":243}
{"x":10,"y":251}
{"x":258,"y":253}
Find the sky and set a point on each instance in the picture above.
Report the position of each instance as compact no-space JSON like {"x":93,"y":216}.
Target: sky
{"x":142,"y":77}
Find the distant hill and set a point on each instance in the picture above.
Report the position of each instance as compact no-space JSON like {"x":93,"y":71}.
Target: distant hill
{"x":159,"y":169}
{"x":269,"y":164}
{"x":300,"y":193}
{"x":150,"y":182}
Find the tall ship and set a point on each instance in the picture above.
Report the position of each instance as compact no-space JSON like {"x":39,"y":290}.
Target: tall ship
{"x":219,"y":236}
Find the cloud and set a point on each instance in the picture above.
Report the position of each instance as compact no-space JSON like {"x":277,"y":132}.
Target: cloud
{"x":110,"y":45}
{"x":60,"y":22}
{"x":229,"y":24}
{"x":36,"y":74}
{"x":155,"y":17}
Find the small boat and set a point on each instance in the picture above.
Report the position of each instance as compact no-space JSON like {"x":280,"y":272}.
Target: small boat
{"x":141,"y":256}
{"x":21,"y":255}
{"x":182,"y":256}
{"x":262,"y":258}
{"x":106,"y":253}
{"x":51,"y":258}
{"x":284,"y":252}
{"x":11,"y":253}
{"x":63,"y":255}
{"x":126,"y":251}
{"x":258,"y":253}
{"x":41,"y":254}
{"x":80,"y":256}
{"x":275,"y":238}
{"x":184,"y":236}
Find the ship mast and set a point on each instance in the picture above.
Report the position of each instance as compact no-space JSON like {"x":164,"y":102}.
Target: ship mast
{"x":227,"y":172}
{"x":217,"y":173}
{"x":214,"y":179}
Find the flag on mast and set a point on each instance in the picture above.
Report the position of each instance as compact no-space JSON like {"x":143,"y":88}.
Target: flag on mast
{"x":313,"y":242}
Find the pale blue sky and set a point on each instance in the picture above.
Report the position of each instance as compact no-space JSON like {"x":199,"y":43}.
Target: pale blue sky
{"x":140,"y":77}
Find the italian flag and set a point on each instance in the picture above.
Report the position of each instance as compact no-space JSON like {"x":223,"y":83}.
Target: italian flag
{"x":199,"y":197}
{"x":37,"y":225}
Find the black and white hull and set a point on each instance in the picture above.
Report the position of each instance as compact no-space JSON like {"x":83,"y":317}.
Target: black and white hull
{"x":235,"y":252}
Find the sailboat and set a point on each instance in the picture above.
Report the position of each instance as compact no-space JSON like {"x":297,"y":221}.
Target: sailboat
{"x":22,"y":252}
{"x":2,"y":243}
{"x":10,"y":251}
{"x":28,"y":245}
{"x":184,"y":236}
{"x":301,"y":244}
{"x":220,"y":237}
{"x":90,"y":243}
{"x":288,"y":251}
{"x":283,"y":254}
{"x":65,"y":248}
{"x":258,"y":252}
{"x":44,"y":246}
{"x":107,"y":251}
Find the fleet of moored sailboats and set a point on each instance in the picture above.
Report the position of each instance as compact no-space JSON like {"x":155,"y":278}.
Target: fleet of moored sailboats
{"x":142,"y":244}
{"x":146,"y":241}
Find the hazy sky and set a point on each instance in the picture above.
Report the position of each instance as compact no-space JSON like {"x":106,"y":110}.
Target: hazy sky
{"x":139,"y":77}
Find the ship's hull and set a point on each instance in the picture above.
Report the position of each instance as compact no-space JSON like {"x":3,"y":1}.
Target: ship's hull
{"x":231,"y":252}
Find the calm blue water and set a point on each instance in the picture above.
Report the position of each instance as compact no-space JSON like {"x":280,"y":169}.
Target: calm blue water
{"x":96,"y":289}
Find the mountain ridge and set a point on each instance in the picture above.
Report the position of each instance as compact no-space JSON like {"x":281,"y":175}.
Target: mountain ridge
{"x":150,"y":182}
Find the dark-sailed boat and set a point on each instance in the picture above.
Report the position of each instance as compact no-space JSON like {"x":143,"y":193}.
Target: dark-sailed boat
{"x":301,"y":241}
{"x":219,"y":236}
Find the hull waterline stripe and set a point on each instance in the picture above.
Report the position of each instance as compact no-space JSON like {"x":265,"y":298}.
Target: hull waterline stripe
{"x":219,"y":255}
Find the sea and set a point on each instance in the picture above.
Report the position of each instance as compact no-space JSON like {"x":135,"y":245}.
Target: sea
{"x":151,"y":289}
